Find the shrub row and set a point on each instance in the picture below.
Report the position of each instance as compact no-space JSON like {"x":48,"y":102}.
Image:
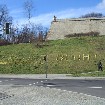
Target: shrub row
{"x":83,"y":34}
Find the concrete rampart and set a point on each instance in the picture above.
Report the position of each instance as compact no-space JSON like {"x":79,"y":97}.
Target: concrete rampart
{"x":62,"y":27}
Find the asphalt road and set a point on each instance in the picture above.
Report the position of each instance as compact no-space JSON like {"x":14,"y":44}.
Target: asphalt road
{"x":90,"y":87}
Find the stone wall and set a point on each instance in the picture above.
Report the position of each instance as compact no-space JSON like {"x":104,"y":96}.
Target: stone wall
{"x":62,"y":27}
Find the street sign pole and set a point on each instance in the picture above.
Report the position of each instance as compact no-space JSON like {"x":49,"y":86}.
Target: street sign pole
{"x":45,"y":59}
{"x":46,"y":69}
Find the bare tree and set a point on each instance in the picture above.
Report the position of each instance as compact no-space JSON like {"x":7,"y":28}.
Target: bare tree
{"x":28,"y":7}
{"x":4,"y":15}
{"x":35,"y":32}
{"x":31,"y":30}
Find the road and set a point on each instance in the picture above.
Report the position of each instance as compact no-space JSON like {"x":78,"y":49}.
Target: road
{"x":89,"y":87}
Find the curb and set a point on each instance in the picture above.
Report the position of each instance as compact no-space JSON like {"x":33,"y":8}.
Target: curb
{"x":43,"y":76}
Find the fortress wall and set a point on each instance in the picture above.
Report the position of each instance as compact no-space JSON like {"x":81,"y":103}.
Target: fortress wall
{"x":62,"y":27}
{"x":102,"y":27}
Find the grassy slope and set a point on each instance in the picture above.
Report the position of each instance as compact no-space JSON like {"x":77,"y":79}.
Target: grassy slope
{"x":26,"y":58}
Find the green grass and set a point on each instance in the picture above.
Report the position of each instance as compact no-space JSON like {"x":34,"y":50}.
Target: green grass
{"x":26,"y":58}
{"x":88,"y":74}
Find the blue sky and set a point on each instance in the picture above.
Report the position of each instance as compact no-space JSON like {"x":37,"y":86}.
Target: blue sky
{"x":45,"y":9}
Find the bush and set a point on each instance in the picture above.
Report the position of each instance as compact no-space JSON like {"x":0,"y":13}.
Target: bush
{"x":89,"y":15}
{"x":4,"y":42}
{"x":83,"y":34}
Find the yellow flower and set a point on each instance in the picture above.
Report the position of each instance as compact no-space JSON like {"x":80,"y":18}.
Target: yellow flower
{"x":3,"y":63}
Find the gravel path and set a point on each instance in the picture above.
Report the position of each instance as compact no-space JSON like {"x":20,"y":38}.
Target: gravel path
{"x":32,"y":95}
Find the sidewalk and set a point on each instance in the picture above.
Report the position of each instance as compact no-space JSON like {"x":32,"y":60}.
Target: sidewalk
{"x":43,"y":76}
